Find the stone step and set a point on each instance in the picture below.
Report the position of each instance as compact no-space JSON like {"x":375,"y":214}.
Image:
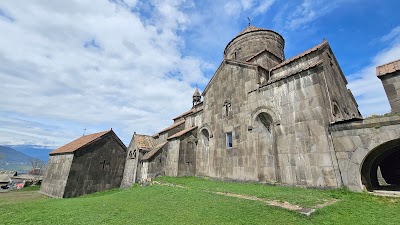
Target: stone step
{"x":386,"y":193}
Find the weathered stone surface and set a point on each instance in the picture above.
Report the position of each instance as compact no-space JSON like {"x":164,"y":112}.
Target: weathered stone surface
{"x":56,"y":176}
{"x":352,"y":150}
{"x":272,"y":120}
{"x":390,"y":76}
{"x":94,"y":166}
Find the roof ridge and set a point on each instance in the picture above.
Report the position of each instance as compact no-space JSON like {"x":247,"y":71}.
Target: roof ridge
{"x":304,"y":53}
{"x":171,"y":126}
{"x":182,"y":132}
{"x":150,"y":154}
{"x":79,"y":142}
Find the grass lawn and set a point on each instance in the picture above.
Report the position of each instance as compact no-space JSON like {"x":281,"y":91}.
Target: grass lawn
{"x":197,"y":204}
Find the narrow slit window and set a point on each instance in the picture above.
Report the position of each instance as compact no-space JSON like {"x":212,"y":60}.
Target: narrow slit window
{"x":229,"y":143}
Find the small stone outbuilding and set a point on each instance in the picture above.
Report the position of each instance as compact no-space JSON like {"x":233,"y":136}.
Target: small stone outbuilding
{"x":88,"y":164}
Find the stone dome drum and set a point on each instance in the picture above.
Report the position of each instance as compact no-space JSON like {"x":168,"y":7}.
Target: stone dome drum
{"x":252,"y":41}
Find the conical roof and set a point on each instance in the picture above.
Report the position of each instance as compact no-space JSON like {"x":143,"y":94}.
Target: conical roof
{"x":196,"y":93}
{"x":250,"y":29}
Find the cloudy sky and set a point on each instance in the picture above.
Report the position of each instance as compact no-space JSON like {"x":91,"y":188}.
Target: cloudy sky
{"x":132,"y":65}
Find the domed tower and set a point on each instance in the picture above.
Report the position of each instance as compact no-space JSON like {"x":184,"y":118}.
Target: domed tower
{"x":257,"y":45}
{"x":196,"y":97}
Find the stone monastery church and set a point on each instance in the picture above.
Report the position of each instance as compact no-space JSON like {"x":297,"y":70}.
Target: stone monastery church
{"x":269,"y":119}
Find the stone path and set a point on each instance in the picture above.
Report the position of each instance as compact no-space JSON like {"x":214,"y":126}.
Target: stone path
{"x":275,"y":203}
{"x":395,"y":194}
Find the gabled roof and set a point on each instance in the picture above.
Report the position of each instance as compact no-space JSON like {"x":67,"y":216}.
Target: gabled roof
{"x":249,"y":65}
{"x":193,"y":110}
{"x":172,"y":126}
{"x":151,"y":153}
{"x":184,"y":114}
{"x":260,"y":53}
{"x":221,"y":66}
{"x":309,"y":66}
{"x":313,"y":49}
{"x":180,"y":133}
{"x":79,"y":143}
{"x":144,"y":142}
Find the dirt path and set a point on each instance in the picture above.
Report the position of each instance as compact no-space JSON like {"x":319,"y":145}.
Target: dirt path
{"x":275,"y":203}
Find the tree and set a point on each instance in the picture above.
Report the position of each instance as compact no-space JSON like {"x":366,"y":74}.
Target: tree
{"x":38,"y":168}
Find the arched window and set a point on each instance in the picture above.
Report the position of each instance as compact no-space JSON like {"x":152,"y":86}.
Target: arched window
{"x":336,"y":111}
{"x":265,"y":120}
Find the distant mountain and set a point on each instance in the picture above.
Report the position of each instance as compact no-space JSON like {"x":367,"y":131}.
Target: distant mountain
{"x":40,"y":152}
{"x":11,"y":159}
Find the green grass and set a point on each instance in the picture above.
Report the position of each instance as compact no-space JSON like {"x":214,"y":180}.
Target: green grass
{"x":299,"y":196}
{"x":159,"y":204}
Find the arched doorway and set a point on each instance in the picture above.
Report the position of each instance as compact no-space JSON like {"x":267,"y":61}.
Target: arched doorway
{"x":264,"y":144}
{"x":205,"y":140}
{"x":203,"y":150}
{"x":381,"y":168}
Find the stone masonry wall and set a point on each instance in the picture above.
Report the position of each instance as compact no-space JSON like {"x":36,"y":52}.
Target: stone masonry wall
{"x":249,"y":44}
{"x":98,"y":166}
{"x":131,"y":163}
{"x":391,"y":83}
{"x":156,"y":166}
{"x":340,"y":104}
{"x":187,"y":154}
{"x":226,"y":110}
{"x":296,"y":151}
{"x":56,"y":176}
{"x":304,"y":154}
{"x":171,"y":165}
{"x":354,"y":141}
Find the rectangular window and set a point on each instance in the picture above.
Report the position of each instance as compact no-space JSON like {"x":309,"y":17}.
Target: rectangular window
{"x":229,"y":140}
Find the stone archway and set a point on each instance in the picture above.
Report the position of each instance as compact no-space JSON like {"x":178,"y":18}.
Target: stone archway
{"x":203,"y":152}
{"x":263,"y":130}
{"x":381,"y":167}
{"x":205,"y":140}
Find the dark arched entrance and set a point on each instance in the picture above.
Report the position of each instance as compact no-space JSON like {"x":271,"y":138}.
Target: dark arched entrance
{"x":381,"y":168}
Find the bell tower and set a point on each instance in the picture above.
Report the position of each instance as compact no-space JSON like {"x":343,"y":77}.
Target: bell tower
{"x":196,"y":97}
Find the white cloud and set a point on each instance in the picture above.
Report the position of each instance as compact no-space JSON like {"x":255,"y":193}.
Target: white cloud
{"x":130,"y":76}
{"x":264,"y":6}
{"x":249,"y":7}
{"x":365,"y":85}
{"x":306,"y":12}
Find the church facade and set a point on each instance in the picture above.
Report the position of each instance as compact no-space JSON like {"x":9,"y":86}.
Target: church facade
{"x":268,"y":119}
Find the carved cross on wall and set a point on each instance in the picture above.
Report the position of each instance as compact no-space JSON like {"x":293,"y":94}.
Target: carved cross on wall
{"x":227,"y":105}
{"x":105,"y":162}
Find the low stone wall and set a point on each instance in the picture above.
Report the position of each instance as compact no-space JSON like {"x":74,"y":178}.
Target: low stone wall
{"x":355,"y":140}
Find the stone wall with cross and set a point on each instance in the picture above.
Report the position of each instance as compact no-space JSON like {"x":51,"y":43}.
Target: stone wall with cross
{"x":98,"y":166}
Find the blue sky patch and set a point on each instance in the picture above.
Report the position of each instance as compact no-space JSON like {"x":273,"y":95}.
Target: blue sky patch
{"x":92,"y":44}
{"x":5,"y":16}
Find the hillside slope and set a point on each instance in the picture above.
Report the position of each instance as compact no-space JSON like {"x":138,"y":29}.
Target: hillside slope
{"x":11,"y":159}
